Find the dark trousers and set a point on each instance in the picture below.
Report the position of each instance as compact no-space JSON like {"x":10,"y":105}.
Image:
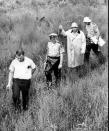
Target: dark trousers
{"x":93,"y":47}
{"x":57,"y":73}
{"x":23,"y":86}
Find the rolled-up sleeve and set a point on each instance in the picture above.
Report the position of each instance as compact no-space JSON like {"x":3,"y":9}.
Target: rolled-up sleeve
{"x":11,"y":67}
{"x":33,"y":65}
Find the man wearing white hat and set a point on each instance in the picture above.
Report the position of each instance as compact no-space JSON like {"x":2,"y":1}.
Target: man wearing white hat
{"x":76,"y":45}
{"x":92,"y":39}
{"x":54,"y":60}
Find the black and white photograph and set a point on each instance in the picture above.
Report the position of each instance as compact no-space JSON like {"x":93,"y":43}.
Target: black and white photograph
{"x":53,"y":65}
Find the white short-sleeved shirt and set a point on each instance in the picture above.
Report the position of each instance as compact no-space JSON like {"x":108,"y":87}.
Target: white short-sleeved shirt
{"x":55,"y":50}
{"x":22,"y":70}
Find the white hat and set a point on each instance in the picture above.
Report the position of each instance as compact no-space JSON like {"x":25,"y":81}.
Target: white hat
{"x":87,"y":19}
{"x":74,"y":25}
{"x":53,"y":34}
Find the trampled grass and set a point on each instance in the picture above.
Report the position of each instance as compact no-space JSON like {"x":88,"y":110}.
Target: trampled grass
{"x":81,"y":104}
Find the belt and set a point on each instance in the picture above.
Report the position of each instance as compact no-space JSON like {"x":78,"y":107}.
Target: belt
{"x":53,"y":57}
{"x":16,"y":79}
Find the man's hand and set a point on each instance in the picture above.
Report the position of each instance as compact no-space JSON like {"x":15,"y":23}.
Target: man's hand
{"x":82,"y":52}
{"x":8,"y":87}
{"x":60,"y":66}
{"x":44,"y":65}
{"x":60,"y":27}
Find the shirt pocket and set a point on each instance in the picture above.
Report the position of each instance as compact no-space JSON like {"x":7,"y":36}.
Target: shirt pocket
{"x":29,"y":67}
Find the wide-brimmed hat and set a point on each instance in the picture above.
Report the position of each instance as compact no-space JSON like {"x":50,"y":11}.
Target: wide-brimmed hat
{"x":53,"y":35}
{"x":74,"y":24}
{"x":86,"y":19}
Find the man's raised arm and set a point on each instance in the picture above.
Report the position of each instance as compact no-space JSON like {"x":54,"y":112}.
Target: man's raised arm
{"x":62,"y":31}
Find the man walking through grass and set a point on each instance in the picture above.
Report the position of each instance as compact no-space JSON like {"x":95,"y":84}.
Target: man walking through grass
{"x":20,"y":73}
{"x":76,"y":45}
{"x":54,"y":60}
{"x":92,"y":40}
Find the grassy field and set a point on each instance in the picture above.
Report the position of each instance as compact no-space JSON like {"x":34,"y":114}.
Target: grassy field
{"x":81,"y":102}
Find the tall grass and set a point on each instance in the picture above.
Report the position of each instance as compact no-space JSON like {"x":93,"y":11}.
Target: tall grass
{"x":33,"y":31}
{"x":80,"y":103}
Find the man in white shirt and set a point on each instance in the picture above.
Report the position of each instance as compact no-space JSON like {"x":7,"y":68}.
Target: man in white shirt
{"x":54,"y":60}
{"x":20,"y":73}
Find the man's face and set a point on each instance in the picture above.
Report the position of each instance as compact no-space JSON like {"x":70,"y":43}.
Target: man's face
{"x":74,"y":29}
{"x":20,"y":58}
{"x":53,"y":39}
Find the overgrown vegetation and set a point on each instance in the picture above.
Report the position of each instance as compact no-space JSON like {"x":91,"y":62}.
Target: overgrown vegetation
{"x":81,"y":102}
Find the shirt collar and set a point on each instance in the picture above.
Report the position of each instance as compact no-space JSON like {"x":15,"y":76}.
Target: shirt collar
{"x":18,"y":60}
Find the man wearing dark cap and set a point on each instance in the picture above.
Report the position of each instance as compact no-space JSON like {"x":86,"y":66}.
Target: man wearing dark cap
{"x":20,"y":73}
{"x":54,"y":60}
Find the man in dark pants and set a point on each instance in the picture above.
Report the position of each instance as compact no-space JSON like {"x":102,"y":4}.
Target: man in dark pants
{"x":90,"y":45}
{"x":23,"y":86}
{"x":21,"y":70}
{"x":54,"y":60}
{"x":92,"y":37}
